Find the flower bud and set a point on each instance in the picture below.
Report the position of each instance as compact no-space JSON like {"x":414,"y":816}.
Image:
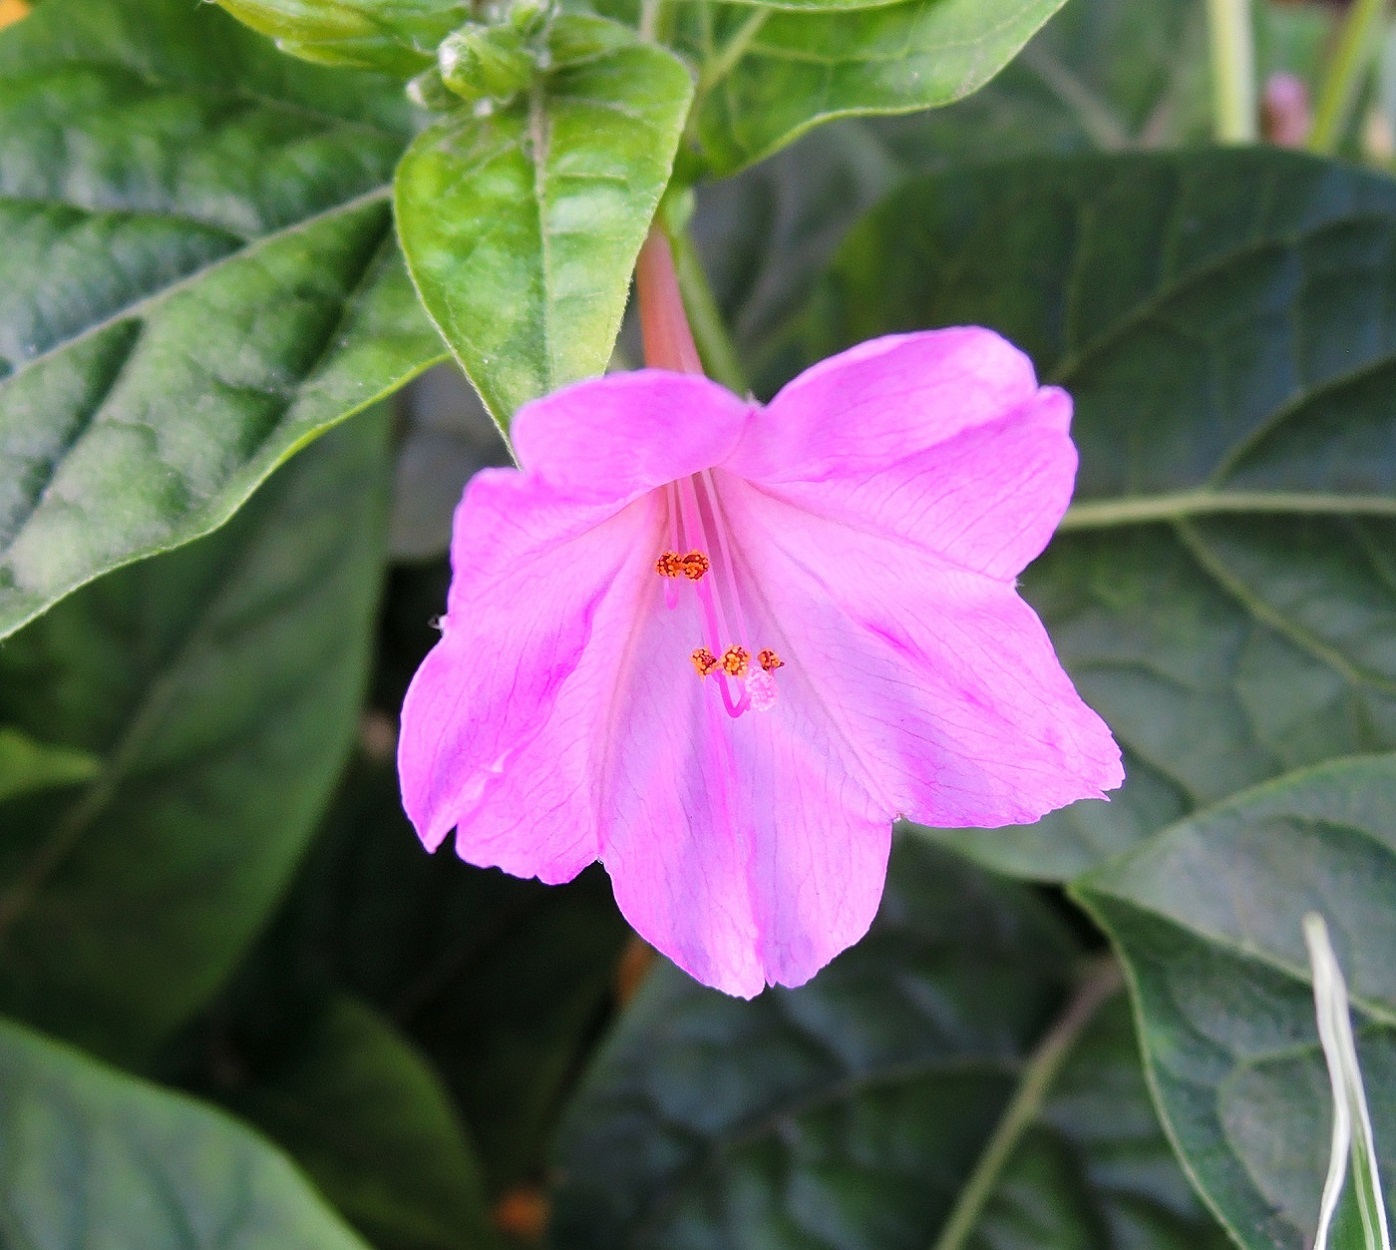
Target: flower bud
{"x":485,"y":63}
{"x":428,"y":91}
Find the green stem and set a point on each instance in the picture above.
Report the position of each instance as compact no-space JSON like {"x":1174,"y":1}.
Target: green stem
{"x":1101,"y":982}
{"x":1233,"y":70}
{"x":1351,"y":58}
{"x":709,"y":330}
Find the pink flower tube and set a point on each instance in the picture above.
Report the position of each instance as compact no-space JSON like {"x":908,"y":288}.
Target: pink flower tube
{"x":720,"y":647}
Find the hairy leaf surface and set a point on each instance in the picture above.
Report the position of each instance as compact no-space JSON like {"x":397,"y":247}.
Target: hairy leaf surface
{"x":198,"y":278}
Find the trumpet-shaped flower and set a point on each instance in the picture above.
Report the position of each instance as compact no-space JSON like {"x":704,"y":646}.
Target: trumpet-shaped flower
{"x":720,"y":647}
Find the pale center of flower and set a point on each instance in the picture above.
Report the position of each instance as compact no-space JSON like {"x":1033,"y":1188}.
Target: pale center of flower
{"x":699,"y":553}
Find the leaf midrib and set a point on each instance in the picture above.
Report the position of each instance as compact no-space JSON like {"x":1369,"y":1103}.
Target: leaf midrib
{"x":138,"y":308}
{"x":1093,"y":514}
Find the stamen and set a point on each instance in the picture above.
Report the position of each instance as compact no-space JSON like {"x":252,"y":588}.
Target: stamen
{"x":669,"y":564}
{"x":735,"y":661}
{"x":695,"y":564}
{"x":704,"y":661}
{"x":769,"y":660}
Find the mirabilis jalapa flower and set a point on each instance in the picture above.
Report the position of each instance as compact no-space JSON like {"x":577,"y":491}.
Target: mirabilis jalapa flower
{"x":721,"y":646}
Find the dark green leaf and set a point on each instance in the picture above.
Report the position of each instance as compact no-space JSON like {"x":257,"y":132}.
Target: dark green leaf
{"x":1208,"y":917}
{"x":521,"y":226}
{"x":1223,"y":590}
{"x":397,"y":36}
{"x":768,"y":76}
{"x":363,"y":1113}
{"x":95,"y":1158}
{"x":851,"y":1113}
{"x":198,"y":278}
{"x":27,"y":765}
{"x":500,"y":983}
{"x":219,"y":685}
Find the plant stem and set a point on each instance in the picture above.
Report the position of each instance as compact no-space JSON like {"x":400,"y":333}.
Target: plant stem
{"x":714,"y":343}
{"x":1233,"y":70}
{"x":1351,"y":59}
{"x":1101,"y":982}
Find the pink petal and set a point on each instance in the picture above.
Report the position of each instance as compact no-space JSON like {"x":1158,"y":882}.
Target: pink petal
{"x":499,"y":721}
{"x":941,"y":681}
{"x":617,"y":436}
{"x":746,"y":850}
{"x":941,"y":438}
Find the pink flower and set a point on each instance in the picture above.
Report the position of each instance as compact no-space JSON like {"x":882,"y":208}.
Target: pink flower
{"x":720,"y":647}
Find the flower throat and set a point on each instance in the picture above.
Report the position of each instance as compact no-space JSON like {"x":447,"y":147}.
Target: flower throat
{"x":696,"y":530}
{"x":698,"y":551}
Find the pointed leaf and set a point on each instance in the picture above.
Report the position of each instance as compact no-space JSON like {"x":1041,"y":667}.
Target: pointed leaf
{"x":219,"y":686}
{"x":521,"y":226}
{"x":770,"y":75}
{"x":361,"y":1110}
{"x":198,"y":277}
{"x":96,"y":1158}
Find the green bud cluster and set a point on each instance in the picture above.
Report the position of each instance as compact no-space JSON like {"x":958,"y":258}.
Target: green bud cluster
{"x":488,"y":61}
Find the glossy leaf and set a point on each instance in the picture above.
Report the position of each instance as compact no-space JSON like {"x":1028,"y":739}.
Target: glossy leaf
{"x":521,"y":226}
{"x":95,"y":1158}
{"x":397,"y":36}
{"x":219,"y":686}
{"x":1222,"y":588}
{"x":852,"y":1112}
{"x":768,"y":76}
{"x":1207,"y":916}
{"x":198,"y":278}
{"x":363,"y":1113}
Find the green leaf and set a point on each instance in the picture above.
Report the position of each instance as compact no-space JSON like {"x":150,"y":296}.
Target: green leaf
{"x":360,"y":1109}
{"x":96,"y":1158}
{"x":198,"y":278}
{"x":1101,"y":74}
{"x":219,"y":685}
{"x":521,"y":226}
{"x":1222,"y":589}
{"x":396,"y":36}
{"x":27,"y":765}
{"x":499,"y":983}
{"x":1207,"y":918}
{"x":770,"y":75}
{"x":946,"y":1046}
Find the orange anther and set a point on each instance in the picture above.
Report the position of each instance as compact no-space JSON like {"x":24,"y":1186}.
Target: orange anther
{"x":704,"y":661}
{"x":669,"y":564}
{"x":769,"y":660}
{"x":695,"y":564}
{"x":735,"y":660}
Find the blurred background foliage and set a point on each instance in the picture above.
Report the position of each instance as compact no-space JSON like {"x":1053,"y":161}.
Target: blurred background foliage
{"x":245,"y":1009}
